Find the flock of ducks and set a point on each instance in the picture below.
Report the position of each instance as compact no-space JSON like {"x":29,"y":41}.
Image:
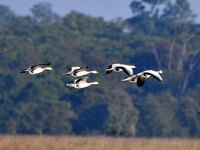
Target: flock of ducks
{"x":81,"y":72}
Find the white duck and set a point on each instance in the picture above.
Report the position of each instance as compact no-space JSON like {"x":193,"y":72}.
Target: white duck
{"x":81,"y":83}
{"x":128,"y":69}
{"x":37,"y":68}
{"x":140,"y":78}
{"x":77,"y":71}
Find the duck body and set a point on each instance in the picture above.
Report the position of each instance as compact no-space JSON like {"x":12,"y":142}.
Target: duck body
{"x":81,"y":83}
{"x":141,"y":77}
{"x":82,"y":72}
{"x":77,"y":71}
{"x":36,"y":69}
{"x":128,"y":69}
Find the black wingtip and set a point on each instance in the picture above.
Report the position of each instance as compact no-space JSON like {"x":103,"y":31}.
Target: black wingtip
{"x":110,"y":66}
{"x":108,"y":71}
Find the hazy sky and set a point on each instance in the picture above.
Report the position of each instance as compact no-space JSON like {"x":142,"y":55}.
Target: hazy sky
{"x":109,"y":9}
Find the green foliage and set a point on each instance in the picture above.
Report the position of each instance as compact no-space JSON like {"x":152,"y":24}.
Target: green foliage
{"x":6,"y":15}
{"x":42,"y":13}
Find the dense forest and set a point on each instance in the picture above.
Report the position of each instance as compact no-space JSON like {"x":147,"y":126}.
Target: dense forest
{"x":161,"y":34}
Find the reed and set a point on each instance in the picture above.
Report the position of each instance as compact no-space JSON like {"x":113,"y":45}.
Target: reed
{"x":94,"y":143}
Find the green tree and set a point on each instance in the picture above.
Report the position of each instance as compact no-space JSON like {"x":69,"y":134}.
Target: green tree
{"x":42,"y":13}
{"x":6,"y":15}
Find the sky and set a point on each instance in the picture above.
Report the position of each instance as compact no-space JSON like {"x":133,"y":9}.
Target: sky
{"x":108,"y":9}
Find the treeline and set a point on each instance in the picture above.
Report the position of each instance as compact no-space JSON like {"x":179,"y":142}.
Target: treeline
{"x":160,"y":35}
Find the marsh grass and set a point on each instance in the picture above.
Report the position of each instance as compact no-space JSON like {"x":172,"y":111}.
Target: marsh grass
{"x":94,"y":143}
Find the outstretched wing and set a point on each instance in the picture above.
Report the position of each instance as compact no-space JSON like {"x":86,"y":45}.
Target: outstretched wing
{"x":127,"y":70}
{"x":130,"y":79}
{"x":75,"y":68}
{"x":108,"y":70}
{"x":154,"y":74}
{"x":84,"y":79}
{"x":109,"y":67}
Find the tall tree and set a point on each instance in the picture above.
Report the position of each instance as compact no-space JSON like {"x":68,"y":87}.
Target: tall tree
{"x":6,"y":15}
{"x":42,"y":13}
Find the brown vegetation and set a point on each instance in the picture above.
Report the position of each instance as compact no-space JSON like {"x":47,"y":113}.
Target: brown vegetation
{"x":94,"y":143}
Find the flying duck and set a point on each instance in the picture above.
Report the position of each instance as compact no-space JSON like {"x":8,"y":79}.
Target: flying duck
{"x":77,"y":71}
{"x":140,"y":78}
{"x":81,"y":83}
{"x":37,"y":68}
{"x":128,"y":69}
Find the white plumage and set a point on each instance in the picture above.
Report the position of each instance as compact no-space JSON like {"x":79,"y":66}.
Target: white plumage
{"x":77,"y":71}
{"x":128,"y":69}
{"x":141,"y":77}
{"x":81,"y":83}
{"x":37,"y":69}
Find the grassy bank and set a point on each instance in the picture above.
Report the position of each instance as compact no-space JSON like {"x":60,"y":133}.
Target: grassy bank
{"x":94,"y":143}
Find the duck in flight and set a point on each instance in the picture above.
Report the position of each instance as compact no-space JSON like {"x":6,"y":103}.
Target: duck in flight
{"x":81,"y":83}
{"x":77,"y":71}
{"x":128,"y":69}
{"x":37,"y":68}
{"x":141,"y":77}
